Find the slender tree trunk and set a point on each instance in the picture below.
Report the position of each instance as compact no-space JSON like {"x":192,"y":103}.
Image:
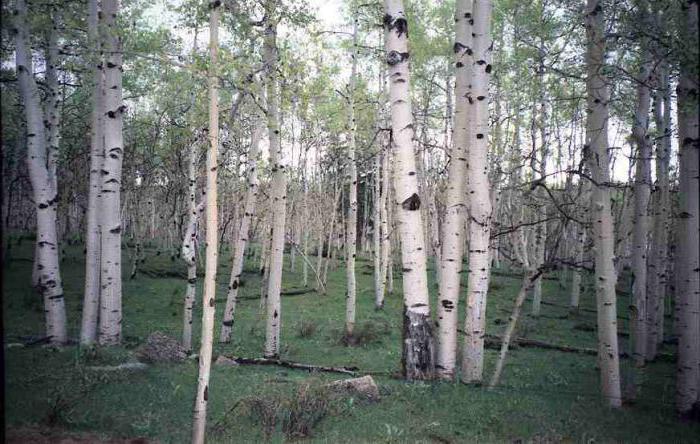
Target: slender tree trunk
{"x":52,"y":103}
{"x":598,"y":160}
{"x":377,"y":232}
{"x":243,"y":231}
{"x":351,"y":230}
{"x":580,"y":242}
{"x":212,"y":239}
{"x":453,"y":225}
{"x":189,"y":246}
{"x":540,"y":229}
{"x":305,"y":229}
{"x":480,"y":202}
{"x":512,"y":323}
{"x":279,"y":185}
{"x":43,"y":186}
{"x":658,"y":263}
{"x":418,"y":346}
{"x":110,"y":322}
{"x":688,"y":372}
{"x":386,"y":234}
{"x":642,"y":192}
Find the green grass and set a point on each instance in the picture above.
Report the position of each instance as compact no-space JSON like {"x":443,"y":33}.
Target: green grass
{"x":545,"y":396}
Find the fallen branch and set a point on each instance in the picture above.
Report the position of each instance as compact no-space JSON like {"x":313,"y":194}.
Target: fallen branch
{"x":496,"y":341}
{"x":295,"y":365}
{"x":527,"y":283}
{"x":125,"y":366}
{"x":282,"y":293}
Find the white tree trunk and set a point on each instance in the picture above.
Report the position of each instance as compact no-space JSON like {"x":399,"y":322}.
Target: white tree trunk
{"x":351,"y":230}
{"x":385,"y":226}
{"x":212,"y":238}
{"x":43,"y":186}
{"x":658,"y":263}
{"x":541,"y":229}
{"x":580,"y":242}
{"x":599,"y":161}
{"x":243,"y":231}
{"x":510,"y":328}
{"x":279,"y":185}
{"x":379,"y":286}
{"x":418,"y":347}
{"x":110,"y":322}
{"x":189,"y":246}
{"x":688,"y":371}
{"x":453,"y":224}
{"x":642,"y":192}
{"x":479,"y":199}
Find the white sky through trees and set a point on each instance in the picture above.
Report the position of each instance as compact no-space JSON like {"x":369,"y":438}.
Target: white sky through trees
{"x":331,"y":15}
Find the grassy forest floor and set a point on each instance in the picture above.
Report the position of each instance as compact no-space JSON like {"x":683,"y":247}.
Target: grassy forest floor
{"x":545,"y":395}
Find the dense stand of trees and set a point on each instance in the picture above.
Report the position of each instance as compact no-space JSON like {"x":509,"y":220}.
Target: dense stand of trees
{"x":546,"y":137}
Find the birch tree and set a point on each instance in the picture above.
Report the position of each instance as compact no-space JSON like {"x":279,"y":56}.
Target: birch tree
{"x":91,"y":295}
{"x":658,"y":263}
{"x":212,"y":239}
{"x":453,"y":224}
{"x":43,"y":185}
{"x":189,"y":246}
{"x":479,"y":198}
{"x":110,"y":318}
{"x":642,"y":192}
{"x":418,"y":346}
{"x":351,"y":230}
{"x":688,"y":370}
{"x":244,"y":229}
{"x":596,"y":152}
{"x":279,"y":184}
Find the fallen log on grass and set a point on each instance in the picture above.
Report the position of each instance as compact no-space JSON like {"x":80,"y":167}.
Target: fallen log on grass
{"x":494,"y":342}
{"x":295,"y":365}
{"x":130,"y":366}
{"x":516,"y":275}
{"x":534,"y":343}
{"x":297,"y":292}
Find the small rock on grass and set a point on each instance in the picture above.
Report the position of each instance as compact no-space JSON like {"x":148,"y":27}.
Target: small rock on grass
{"x":161,"y":348}
{"x":364,"y":386}
{"x":225,"y":362}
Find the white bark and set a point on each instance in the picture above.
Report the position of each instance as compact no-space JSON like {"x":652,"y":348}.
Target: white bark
{"x":479,"y":199}
{"x":658,"y":263}
{"x":212,"y":239}
{"x":418,"y":360}
{"x":642,"y":192}
{"x":110,"y":322}
{"x":510,"y":328}
{"x":279,"y":185}
{"x":351,"y":227}
{"x":541,"y":229}
{"x":43,"y":186}
{"x":580,"y":242}
{"x":189,"y":246}
{"x":384,"y":201}
{"x":377,"y":232}
{"x":688,"y":371}
{"x":243,"y":231}
{"x":453,"y":225}
{"x":598,"y":159}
